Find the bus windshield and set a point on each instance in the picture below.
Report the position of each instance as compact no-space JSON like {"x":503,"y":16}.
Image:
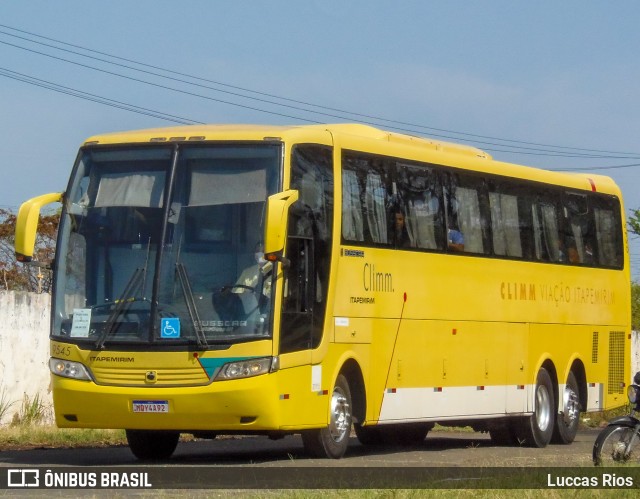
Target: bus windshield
{"x":164,"y":245}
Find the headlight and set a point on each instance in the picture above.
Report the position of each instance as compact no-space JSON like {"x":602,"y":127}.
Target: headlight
{"x":245,"y":368}
{"x":632,"y":393}
{"x":68,"y":369}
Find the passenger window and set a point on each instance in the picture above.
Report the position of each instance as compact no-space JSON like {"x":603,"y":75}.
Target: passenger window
{"x":608,"y":235}
{"x":365,"y":200}
{"x":375,"y":201}
{"x":548,"y":245}
{"x":418,"y":200}
{"x":352,"y":225}
{"x":505,"y":224}
{"x":465,"y":226}
{"x":577,"y":232}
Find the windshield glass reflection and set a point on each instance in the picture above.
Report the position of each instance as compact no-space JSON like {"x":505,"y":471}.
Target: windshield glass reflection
{"x":142,"y":260}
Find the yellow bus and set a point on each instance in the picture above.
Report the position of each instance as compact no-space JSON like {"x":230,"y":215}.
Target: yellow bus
{"x":322,"y":279}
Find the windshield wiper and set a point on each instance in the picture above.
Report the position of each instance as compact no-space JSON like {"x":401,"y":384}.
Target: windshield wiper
{"x":191,"y":305}
{"x":127,"y":296}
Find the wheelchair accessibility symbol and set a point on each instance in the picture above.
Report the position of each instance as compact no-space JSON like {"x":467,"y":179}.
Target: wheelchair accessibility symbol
{"x":170,"y":328}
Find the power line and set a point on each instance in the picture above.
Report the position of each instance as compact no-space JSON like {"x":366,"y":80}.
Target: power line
{"x":157,"y":84}
{"x":517,"y":149}
{"x":146,"y":72}
{"x":377,"y":118}
{"x":93,"y":98}
{"x":590,"y":168}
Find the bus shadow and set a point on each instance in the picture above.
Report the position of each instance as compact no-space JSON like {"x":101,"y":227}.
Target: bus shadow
{"x":237,"y":450}
{"x":261,"y":450}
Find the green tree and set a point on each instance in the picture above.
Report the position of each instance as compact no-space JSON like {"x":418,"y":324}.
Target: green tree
{"x":635,"y":306}
{"x":16,"y":276}
{"x":634,"y":222}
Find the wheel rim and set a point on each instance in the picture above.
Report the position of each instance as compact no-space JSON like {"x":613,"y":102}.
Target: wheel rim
{"x":340,"y":415}
{"x":571,"y":406}
{"x":543,"y":408}
{"x":615,"y":448}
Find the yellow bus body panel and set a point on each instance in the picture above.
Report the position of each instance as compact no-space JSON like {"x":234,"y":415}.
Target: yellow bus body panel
{"x":435,"y":337}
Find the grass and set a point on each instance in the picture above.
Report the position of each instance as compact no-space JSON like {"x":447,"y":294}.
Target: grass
{"x":5,"y":404}
{"x":599,"y":419}
{"x":39,"y":436}
{"x":33,"y":411}
{"x":372,"y":494}
{"x":403,"y":494}
{"x":30,"y":428}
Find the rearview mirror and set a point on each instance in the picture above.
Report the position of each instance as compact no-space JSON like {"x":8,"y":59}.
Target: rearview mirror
{"x":276,"y":226}
{"x":27,"y":224}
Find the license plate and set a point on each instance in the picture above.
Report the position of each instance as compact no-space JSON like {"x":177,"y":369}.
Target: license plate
{"x":150,"y":406}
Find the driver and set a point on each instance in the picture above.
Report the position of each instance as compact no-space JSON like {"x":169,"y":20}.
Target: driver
{"x":252,"y":276}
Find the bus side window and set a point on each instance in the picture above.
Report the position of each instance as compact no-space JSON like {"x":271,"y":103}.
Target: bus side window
{"x":375,"y":203}
{"x":576,"y":231}
{"x":608,"y":236}
{"x":455,"y":238}
{"x":365,"y":200}
{"x":352,"y":224}
{"x":467,"y":229}
{"x":548,"y":245}
{"x":505,"y":224}
{"x":417,"y":197}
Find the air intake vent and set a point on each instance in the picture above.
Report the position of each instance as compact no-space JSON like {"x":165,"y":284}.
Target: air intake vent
{"x":594,"y":348}
{"x":616,"y":362}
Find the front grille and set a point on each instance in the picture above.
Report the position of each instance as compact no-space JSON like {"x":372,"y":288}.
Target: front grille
{"x":190,"y":376}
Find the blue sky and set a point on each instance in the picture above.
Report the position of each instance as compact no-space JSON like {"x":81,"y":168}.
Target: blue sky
{"x":547,"y":72}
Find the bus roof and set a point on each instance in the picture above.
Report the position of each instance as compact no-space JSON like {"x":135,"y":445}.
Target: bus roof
{"x":468,"y":156}
{"x":260,"y":132}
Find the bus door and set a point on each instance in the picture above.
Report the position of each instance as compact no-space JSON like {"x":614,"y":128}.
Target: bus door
{"x":298,"y":298}
{"x":306,"y":279}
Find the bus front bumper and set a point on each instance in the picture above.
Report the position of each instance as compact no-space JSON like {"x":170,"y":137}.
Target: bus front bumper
{"x":245,"y":405}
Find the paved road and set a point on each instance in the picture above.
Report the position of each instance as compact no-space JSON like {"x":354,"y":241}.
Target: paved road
{"x":441,"y":448}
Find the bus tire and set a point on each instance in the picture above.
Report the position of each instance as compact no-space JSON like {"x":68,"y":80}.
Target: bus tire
{"x":537,"y":429}
{"x":332,"y":440}
{"x":566,"y":426}
{"x":149,"y":445}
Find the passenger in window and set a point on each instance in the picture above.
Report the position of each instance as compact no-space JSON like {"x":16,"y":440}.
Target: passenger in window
{"x":455,"y":240}
{"x":561,"y":254}
{"x":400,"y":233}
{"x":572,"y":253}
{"x":567,"y":253}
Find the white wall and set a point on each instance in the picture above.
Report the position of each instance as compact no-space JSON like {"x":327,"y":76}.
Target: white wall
{"x":24,"y":349}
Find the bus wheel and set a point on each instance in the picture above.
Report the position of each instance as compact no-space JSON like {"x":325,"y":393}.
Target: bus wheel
{"x":332,"y":441}
{"x":536,"y":430}
{"x":566,"y":426}
{"x":148,"y":445}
